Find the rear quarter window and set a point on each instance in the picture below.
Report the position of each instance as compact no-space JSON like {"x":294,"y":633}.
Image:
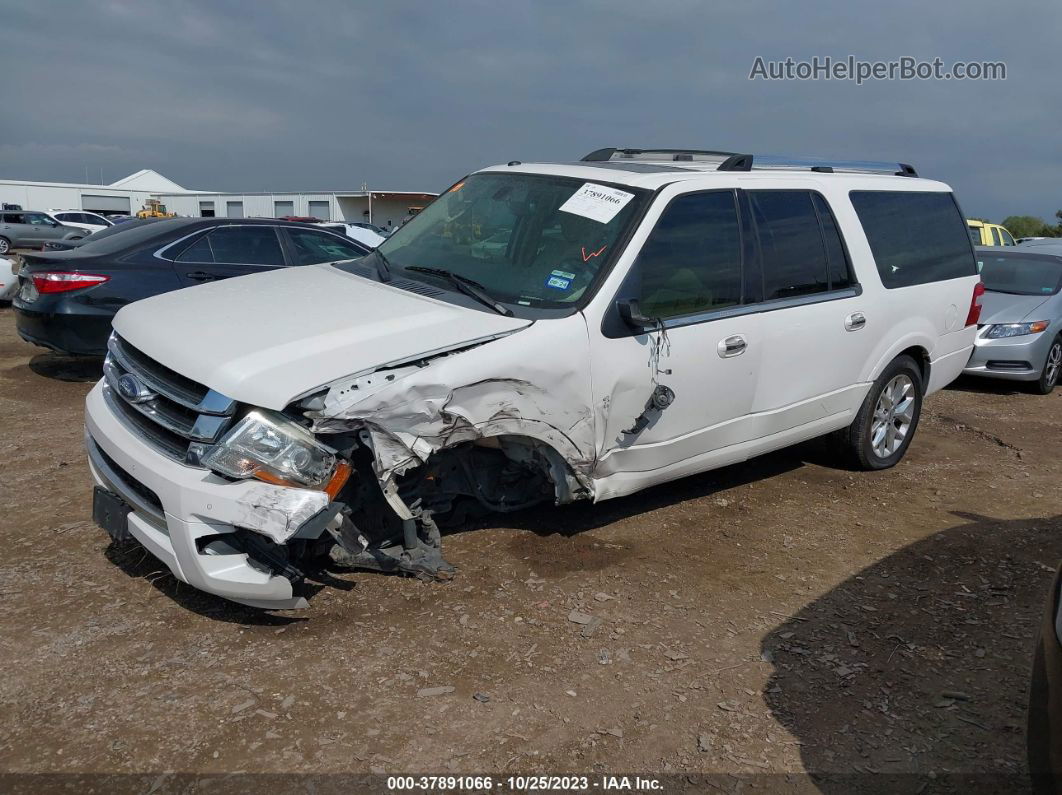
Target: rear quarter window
{"x":916,"y":237}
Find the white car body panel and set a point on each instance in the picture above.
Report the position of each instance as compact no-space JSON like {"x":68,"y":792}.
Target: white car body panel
{"x":348,"y":324}
{"x":354,"y":232}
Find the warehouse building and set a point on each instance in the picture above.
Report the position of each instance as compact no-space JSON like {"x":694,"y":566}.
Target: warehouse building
{"x":127,"y":196}
{"x":387,"y":209}
{"x":123,"y":197}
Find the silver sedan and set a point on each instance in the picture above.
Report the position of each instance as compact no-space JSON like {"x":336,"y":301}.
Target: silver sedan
{"x":1019,"y":336}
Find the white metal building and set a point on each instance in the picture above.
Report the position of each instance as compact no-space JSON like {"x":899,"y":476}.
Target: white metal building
{"x":383,"y":208}
{"x":125,"y":196}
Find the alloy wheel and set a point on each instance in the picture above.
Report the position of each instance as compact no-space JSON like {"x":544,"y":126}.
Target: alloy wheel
{"x":1054,"y":364}
{"x":893,"y":416}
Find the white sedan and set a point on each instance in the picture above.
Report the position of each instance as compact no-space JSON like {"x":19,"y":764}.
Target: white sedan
{"x":357,"y":232}
{"x":90,"y":222}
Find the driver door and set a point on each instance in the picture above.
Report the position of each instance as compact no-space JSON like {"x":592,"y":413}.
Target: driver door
{"x":690,"y":273}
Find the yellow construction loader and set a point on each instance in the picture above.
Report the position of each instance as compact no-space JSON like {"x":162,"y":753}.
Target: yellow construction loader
{"x":153,"y":208}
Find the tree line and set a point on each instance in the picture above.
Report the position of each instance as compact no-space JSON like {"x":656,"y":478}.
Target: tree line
{"x":1031,"y":226}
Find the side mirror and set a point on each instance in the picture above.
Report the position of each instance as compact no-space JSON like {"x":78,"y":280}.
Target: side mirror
{"x":632,"y":315}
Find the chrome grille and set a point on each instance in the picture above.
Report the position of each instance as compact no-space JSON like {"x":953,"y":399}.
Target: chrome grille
{"x":174,"y":414}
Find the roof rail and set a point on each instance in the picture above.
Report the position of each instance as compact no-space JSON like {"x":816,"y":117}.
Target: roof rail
{"x":733,"y":161}
{"x":829,"y":165}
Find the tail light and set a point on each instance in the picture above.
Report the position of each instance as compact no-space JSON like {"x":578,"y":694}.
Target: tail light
{"x":974,"y":314}
{"x":62,"y":281}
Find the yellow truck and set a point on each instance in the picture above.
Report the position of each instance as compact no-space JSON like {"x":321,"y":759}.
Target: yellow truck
{"x":984,"y":233}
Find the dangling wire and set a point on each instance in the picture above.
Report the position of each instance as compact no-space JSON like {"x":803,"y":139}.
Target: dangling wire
{"x":660,"y":345}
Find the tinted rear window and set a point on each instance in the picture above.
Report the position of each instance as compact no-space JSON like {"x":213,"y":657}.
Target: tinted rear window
{"x":916,"y":237}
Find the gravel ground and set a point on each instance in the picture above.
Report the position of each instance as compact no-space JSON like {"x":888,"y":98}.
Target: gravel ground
{"x":784,"y":616}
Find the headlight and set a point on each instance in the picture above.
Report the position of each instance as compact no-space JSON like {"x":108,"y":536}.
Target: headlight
{"x":1015,"y":329}
{"x":270,"y":447}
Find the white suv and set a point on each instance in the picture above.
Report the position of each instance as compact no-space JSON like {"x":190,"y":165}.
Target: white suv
{"x":541,"y":332}
{"x":79,"y":219}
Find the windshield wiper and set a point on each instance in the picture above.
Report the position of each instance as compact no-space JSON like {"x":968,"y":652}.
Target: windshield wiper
{"x":469,"y":287}
{"x":383,"y":267}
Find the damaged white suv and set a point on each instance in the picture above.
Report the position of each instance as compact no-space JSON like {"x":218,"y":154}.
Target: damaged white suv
{"x":539,"y":333}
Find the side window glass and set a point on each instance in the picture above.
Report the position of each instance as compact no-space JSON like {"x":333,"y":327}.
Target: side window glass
{"x":1007,"y":239}
{"x":995,"y":236}
{"x":838,"y":267}
{"x":246,"y":245}
{"x":199,"y":251}
{"x":313,"y":247}
{"x":691,"y":261}
{"x":791,"y":245}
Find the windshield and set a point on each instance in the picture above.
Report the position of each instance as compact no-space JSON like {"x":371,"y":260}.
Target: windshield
{"x":530,"y":240}
{"x":1020,"y":275}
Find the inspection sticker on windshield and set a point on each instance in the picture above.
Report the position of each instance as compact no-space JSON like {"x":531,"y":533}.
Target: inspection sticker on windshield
{"x":560,"y":280}
{"x":596,"y":202}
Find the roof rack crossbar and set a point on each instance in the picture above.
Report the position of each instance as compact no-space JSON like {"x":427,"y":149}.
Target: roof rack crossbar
{"x":734,"y":161}
{"x":599,"y":155}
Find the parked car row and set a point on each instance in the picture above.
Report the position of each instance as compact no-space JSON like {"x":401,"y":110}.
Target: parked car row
{"x":24,"y":229}
{"x":540,"y":332}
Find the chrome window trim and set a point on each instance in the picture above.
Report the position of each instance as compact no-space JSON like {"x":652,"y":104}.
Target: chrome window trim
{"x":760,"y":307}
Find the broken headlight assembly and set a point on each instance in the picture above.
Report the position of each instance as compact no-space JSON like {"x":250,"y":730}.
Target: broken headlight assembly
{"x":268,"y":446}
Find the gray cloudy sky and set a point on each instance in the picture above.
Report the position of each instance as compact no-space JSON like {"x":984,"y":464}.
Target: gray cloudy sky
{"x":411,"y":95}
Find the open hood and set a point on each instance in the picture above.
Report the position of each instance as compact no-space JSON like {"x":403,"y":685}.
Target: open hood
{"x":267,"y":338}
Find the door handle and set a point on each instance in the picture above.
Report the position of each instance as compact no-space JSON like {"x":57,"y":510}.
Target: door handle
{"x":732,"y":346}
{"x":855,"y":321}
{"x":201,"y":276}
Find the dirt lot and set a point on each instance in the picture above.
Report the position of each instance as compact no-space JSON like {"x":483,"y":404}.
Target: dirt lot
{"x":780,"y":616}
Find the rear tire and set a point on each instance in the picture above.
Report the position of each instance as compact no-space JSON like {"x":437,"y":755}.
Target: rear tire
{"x":5,"y":246}
{"x":1052,"y":369}
{"x":882,"y":430}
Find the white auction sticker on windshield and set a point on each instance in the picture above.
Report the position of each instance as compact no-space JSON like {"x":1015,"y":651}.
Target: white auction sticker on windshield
{"x":596,"y":202}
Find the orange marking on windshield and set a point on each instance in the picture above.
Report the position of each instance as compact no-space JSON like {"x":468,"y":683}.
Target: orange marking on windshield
{"x":588,"y":256}
{"x":457,"y":187}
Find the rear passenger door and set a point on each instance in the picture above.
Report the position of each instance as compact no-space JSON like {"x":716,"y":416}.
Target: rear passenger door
{"x":817,"y":330}
{"x":228,"y":251}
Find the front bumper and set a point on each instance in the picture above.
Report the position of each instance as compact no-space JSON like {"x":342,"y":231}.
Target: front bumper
{"x":177,"y":508}
{"x":1013,"y":358}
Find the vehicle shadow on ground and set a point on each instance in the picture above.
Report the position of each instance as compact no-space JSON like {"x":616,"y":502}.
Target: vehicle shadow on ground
{"x":75,"y":369}
{"x":136,"y":562}
{"x":580,"y":517}
{"x":989,"y":386}
{"x":919,"y":665}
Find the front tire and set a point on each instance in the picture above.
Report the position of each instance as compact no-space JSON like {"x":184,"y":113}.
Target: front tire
{"x":5,"y":246}
{"x":1045,"y":385}
{"x":882,"y":430}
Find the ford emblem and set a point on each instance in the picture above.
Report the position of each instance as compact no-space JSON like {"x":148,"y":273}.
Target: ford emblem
{"x":130,"y":388}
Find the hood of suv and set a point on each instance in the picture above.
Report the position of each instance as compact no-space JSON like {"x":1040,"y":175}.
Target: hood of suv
{"x":1009,"y":308}
{"x":267,"y":338}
